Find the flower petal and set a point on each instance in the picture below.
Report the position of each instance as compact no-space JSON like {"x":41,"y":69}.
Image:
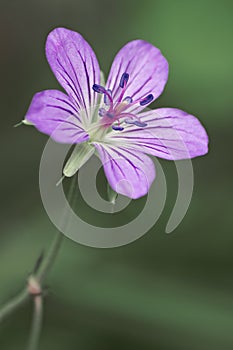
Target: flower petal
{"x":128,"y":173}
{"x":75,"y":66}
{"x":170,"y":133}
{"x":147,"y":69}
{"x":54,"y":113}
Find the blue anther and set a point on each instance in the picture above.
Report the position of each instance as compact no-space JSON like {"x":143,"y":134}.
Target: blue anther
{"x":117,"y":128}
{"x":124,"y":80}
{"x":102,"y":112}
{"x":106,"y":98}
{"x":146,"y":100}
{"x":110,"y":115}
{"x":98,"y":88}
{"x":140,"y":124}
{"x":129,"y":121}
{"x":128,"y":99}
{"x":136,"y":123}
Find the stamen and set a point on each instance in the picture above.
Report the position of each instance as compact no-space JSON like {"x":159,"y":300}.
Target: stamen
{"x":124,"y":80}
{"x":117,"y":128}
{"x":101,"y":90}
{"x":98,"y":88}
{"x":136,"y":123}
{"x":106,"y":97}
{"x":118,"y":112}
{"x":146,"y":100}
{"x":110,"y":115}
{"x":128,"y":99}
{"x":129,"y":121}
{"x":140,"y":124}
{"x":102,"y":112}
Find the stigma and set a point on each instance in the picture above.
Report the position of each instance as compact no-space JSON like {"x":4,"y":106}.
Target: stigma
{"x":115,"y":113}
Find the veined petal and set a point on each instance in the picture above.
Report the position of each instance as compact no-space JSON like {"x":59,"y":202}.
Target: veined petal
{"x":75,"y":66}
{"x":147,"y":69}
{"x":170,"y":133}
{"x":128,"y":173}
{"x":54,"y":113}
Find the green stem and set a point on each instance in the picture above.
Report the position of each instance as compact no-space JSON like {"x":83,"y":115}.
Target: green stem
{"x":14,"y":304}
{"x":50,"y":257}
{"x":24,"y":295}
{"x":36,"y":323}
{"x":42,"y":272}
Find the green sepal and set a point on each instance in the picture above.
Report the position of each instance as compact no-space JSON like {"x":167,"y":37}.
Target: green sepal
{"x":26,"y":122}
{"x":80,"y":155}
{"x":111,"y":194}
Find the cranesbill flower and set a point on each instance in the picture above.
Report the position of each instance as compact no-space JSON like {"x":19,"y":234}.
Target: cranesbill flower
{"x":108,"y":119}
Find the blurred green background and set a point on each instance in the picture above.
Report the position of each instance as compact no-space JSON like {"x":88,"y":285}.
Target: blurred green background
{"x":163,"y":292}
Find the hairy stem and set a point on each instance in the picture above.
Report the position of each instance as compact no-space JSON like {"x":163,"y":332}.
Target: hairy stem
{"x":39,"y":277}
{"x":41,"y":274}
{"x":36,"y":323}
{"x":14,"y":304}
{"x":50,"y":258}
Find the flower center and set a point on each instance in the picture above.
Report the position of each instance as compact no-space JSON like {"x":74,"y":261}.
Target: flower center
{"x":115,"y":113}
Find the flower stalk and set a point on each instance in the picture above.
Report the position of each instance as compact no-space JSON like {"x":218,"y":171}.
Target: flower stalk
{"x":12,"y":305}
{"x":35,"y":285}
{"x":36,"y":323}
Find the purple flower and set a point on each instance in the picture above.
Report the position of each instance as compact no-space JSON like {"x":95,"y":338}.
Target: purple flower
{"x":109,"y":118}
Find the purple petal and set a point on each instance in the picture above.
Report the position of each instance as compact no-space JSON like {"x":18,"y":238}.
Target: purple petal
{"x":147,"y":69}
{"x":75,"y":66}
{"x":54,"y":113}
{"x":170,"y":133}
{"x":128,"y":173}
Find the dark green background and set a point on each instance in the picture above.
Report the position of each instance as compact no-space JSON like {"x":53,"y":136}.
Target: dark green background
{"x":163,"y":292}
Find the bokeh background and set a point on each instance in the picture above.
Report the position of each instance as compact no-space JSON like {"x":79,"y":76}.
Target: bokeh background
{"x":163,"y":292}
